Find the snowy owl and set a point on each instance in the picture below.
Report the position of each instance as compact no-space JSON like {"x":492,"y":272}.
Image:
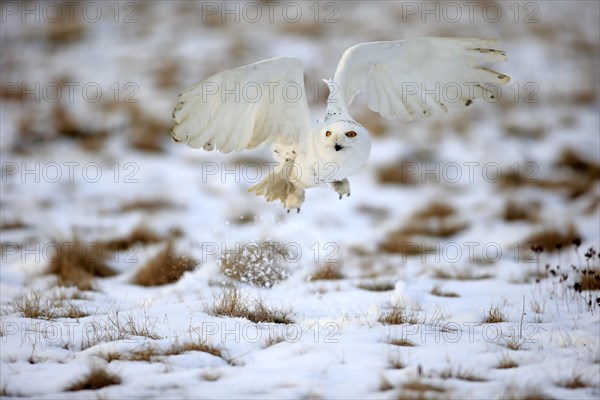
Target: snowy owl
{"x":265,"y":102}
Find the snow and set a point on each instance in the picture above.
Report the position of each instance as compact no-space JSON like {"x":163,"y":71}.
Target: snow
{"x":335,"y":346}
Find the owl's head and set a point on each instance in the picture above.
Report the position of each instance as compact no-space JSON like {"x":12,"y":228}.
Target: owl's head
{"x":344,"y":135}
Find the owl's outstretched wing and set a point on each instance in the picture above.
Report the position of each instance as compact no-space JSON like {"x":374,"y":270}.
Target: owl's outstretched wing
{"x":244,"y":107}
{"x":412,"y":78}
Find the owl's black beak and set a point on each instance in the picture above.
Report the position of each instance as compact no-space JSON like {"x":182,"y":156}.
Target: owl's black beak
{"x":338,"y":147}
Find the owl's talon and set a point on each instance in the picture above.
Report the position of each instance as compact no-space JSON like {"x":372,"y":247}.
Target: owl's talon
{"x":341,"y":187}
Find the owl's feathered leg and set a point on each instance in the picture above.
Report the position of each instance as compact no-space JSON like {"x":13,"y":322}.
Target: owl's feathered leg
{"x":277,"y":186}
{"x":341,"y":187}
{"x":295,"y":199}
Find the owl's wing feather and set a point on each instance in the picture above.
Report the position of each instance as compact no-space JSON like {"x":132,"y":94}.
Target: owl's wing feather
{"x":412,"y":78}
{"x":244,"y":107}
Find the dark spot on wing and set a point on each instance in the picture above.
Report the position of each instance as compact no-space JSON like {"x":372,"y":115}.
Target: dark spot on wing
{"x":468,"y":102}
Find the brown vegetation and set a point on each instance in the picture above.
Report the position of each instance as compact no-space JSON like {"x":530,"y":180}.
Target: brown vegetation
{"x":139,"y":234}
{"x":551,"y":239}
{"x":97,"y":378}
{"x":327,"y":272}
{"x":230,"y":303}
{"x":76,"y":263}
{"x":166,"y":267}
{"x":397,"y":315}
{"x":437,"y":220}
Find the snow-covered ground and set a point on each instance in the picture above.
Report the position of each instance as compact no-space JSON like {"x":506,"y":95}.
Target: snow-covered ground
{"x":422,"y":284}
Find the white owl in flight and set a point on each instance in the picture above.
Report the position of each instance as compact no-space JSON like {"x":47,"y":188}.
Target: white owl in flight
{"x":265,"y":102}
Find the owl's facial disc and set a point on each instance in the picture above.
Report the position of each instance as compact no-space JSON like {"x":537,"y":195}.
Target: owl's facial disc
{"x":343,"y":134}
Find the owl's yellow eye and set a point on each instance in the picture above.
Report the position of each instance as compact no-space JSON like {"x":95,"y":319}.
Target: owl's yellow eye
{"x":351,"y":134}
{"x":328,"y":133}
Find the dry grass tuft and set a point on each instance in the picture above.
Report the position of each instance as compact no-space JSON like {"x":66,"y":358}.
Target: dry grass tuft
{"x":462,"y":274}
{"x":521,"y":211}
{"x":34,"y":305}
{"x":259,"y":264}
{"x":506,"y":362}
{"x":521,"y":131}
{"x":146,"y":132}
{"x":398,"y":242}
{"x":513,"y":344}
{"x":576,"y":381}
{"x":397,"y":315}
{"x":524,"y":393}
{"x":166,"y":73}
{"x":67,"y":125}
{"x":588,"y":279}
{"x":569,"y":159}
{"x":418,"y":385}
{"x":12,"y":225}
{"x":400,"y":173}
{"x":192,"y":345}
{"x":245,"y":218}
{"x":273,"y":339}
{"x":55,"y":123}
{"x":116,"y":328}
{"x":462,"y":375}
{"x":551,"y":239}
{"x":151,"y":353}
{"x":230,"y":303}
{"x":436,"y":210}
{"x":573,"y":175}
{"x":437,"y":220}
{"x":143,"y":354}
{"x":149,"y":206}
{"x":77,"y":264}
{"x":494,"y":315}
{"x":327,"y":272}
{"x":376,"y":286}
{"x":408,"y":171}
{"x":401,"y":342}
{"x":395,"y":361}
{"x":437,"y":291}
{"x":166,"y":267}
{"x":140,"y":234}
{"x":64,"y":32}
{"x":97,"y":378}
